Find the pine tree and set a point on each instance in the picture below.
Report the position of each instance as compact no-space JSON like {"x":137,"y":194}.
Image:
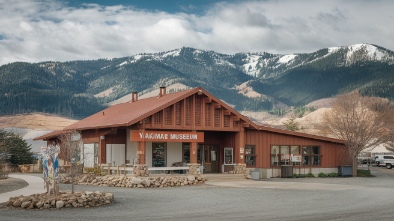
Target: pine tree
{"x":291,"y":124}
{"x":17,"y":150}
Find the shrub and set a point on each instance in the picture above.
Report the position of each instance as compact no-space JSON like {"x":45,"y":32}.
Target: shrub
{"x":363,"y":173}
{"x":297,"y":175}
{"x":332,"y":174}
{"x":322,"y":174}
{"x":94,"y":170}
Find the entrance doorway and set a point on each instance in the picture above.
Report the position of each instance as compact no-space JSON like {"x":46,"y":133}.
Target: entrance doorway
{"x":159,"y":154}
{"x":208,"y":157}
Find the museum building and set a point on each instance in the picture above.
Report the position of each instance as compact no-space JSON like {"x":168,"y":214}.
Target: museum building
{"x":194,"y":129}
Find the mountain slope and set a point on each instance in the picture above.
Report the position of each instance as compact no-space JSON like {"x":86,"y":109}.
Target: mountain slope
{"x":247,"y":81}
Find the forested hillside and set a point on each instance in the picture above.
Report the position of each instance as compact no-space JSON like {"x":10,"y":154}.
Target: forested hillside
{"x":75,"y":89}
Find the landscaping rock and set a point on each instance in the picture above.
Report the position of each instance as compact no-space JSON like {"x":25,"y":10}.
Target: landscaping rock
{"x":63,"y":200}
{"x":135,"y":182}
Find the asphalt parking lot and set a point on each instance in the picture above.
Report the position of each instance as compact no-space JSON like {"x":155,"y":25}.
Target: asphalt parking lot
{"x":359,"y":198}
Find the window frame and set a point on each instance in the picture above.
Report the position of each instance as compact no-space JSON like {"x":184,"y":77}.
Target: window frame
{"x":226,"y":157}
{"x":310,"y":155}
{"x":276,"y":157}
{"x":252,"y":154}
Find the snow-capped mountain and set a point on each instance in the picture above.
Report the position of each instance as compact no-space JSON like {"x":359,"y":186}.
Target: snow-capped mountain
{"x":248,"y":81}
{"x":267,"y":65}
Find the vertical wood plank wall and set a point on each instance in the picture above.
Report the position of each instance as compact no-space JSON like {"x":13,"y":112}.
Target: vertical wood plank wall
{"x":264,"y":139}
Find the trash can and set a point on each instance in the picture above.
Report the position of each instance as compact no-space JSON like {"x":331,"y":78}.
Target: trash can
{"x":286,"y":171}
{"x":255,"y":175}
{"x":201,"y":169}
{"x":345,"y":171}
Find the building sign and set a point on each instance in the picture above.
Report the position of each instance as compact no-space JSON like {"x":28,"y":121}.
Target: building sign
{"x":167,"y":136}
{"x":296,"y":158}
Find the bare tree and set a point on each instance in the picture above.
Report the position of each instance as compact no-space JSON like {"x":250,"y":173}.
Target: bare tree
{"x":390,"y":139}
{"x":71,"y":150}
{"x":361,"y":122}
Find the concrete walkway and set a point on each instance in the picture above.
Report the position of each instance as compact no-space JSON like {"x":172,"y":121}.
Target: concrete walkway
{"x":36,"y":185}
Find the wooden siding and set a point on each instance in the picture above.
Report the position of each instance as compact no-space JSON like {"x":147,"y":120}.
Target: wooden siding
{"x":196,"y":112}
{"x":263,"y":140}
{"x":221,"y":126}
{"x":222,"y":139}
{"x":90,"y":136}
{"x":117,"y":138}
{"x":111,"y":136}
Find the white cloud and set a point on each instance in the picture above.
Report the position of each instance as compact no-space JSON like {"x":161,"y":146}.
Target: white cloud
{"x":51,"y":30}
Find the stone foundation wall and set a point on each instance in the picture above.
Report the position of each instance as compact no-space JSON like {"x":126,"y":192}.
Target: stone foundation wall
{"x":141,"y":170}
{"x":194,"y":169}
{"x":240,"y":168}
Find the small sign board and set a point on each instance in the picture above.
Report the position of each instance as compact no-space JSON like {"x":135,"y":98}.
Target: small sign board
{"x":285,"y":157}
{"x":75,"y":136}
{"x":296,"y":158}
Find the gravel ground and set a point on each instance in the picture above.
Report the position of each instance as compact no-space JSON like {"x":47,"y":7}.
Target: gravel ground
{"x":373,"y":201}
{"x":11,"y":184}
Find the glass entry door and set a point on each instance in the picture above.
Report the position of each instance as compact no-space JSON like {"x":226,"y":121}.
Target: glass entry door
{"x":208,"y":157}
{"x":159,"y":154}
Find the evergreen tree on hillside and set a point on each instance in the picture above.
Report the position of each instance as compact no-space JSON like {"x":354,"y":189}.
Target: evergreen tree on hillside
{"x":15,"y":148}
{"x":291,"y":124}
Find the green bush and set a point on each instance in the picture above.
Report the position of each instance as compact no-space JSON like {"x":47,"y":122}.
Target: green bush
{"x":322,"y":175}
{"x":310,"y":175}
{"x":298,"y":175}
{"x":363,"y":173}
{"x":332,"y":174}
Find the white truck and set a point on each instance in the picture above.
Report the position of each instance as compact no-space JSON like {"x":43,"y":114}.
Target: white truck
{"x":385,"y":160}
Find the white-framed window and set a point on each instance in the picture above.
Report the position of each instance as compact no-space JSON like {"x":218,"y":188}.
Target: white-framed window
{"x":228,"y":155}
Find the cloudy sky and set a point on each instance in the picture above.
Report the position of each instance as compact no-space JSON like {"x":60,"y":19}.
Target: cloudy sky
{"x":60,"y":30}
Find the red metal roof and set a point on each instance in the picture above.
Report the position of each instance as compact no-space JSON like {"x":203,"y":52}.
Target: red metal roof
{"x":126,"y":114}
{"x":299,"y":134}
{"x":50,"y":135}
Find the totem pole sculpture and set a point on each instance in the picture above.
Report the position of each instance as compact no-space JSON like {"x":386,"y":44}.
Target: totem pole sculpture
{"x":50,"y":167}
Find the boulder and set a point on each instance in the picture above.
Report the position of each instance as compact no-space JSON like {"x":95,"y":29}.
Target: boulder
{"x":59,"y":204}
{"x":17,"y":203}
{"x":136,"y":180}
{"x":25,"y":204}
{"x":191,"y":178}
{"x":145,"y":182}
{"x":109,"y":196}
{"x":83,"y":179}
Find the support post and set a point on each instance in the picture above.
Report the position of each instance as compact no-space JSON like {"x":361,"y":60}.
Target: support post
{"x":141,"y":152}
{"x":240,"y":166}
{"x":193,"y":152}
{"x":194,"y":167}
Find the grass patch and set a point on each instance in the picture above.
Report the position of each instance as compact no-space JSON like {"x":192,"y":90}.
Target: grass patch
{"x":363,"y":173}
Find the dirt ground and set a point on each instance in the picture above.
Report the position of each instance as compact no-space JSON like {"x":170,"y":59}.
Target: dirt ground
{"x":35,"y":121}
